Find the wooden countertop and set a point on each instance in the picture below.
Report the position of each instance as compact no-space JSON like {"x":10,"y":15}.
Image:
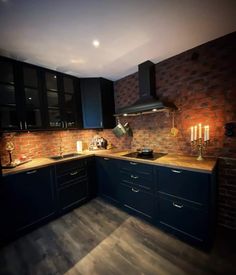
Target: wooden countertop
{"x":169,"y":160}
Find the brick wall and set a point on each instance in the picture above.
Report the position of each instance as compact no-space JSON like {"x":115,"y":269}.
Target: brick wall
{"x":202,"y":84}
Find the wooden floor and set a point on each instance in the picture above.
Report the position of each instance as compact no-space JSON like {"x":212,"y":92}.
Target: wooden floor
{"x":98,"y":238}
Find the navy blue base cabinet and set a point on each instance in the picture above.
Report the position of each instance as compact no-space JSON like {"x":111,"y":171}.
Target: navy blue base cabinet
{"x":27,"y":199}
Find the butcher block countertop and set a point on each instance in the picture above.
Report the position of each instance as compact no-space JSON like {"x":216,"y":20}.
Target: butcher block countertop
{"x":169,"y":160}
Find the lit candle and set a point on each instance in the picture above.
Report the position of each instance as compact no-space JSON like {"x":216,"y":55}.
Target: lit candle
{"x":195,"y":132}
{"x":192,"y":133}
{"x":200,"y":130}
{"x":208,"y":132}
{"x":205,"y":133}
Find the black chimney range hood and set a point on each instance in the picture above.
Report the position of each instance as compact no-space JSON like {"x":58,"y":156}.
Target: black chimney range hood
{"x":147,"y":102}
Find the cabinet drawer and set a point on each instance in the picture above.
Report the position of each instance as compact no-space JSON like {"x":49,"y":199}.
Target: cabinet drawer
{"x":137,"y":167}
{"x":186,"y":219}
{"x":73,"y":194}
{"x":185,"y":184}
{"x":71,"y":175}
{"x":136,"y":179}
{"x":137,"y":200}
{"x":70,"y":166}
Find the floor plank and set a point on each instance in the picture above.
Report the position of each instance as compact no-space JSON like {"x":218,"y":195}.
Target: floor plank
{"x":100,"y":239}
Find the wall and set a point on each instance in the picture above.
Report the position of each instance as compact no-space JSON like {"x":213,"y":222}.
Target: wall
{"x":202,"y":84}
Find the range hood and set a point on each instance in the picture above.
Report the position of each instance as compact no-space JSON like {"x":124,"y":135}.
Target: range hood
{"x":147,"y":102}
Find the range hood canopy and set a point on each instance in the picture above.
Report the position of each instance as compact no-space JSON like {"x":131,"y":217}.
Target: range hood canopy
{"x":147,"y":102}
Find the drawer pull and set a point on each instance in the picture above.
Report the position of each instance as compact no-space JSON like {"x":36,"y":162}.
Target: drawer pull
{"x":176,"y":171}
{"x":133,"y":163}
{"x":74,"y":173}
{"x":106,"y":158}
{"x":178,"y":205}
{"x":135,"y":190}
{"x":133,"y":177}
{"x":31,"y":172}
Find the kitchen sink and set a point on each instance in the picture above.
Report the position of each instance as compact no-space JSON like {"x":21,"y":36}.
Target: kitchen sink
{"x":58,"y":157}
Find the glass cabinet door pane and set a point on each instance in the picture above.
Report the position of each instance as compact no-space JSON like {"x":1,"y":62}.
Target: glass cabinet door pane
{"x":70,"y":119}
{"x":54,"y":118}
{"x":8,"y":117}
{"x":6,"y":72}
{"x":69,"y":102}
{"x":32,"y":97}
{"x":30,"y":77}
{"x":7,"y":95}
{"x":33,"y":118}
{"x":51,"y":81}
{"x":52,"y":99}
{"x":68,"y":85}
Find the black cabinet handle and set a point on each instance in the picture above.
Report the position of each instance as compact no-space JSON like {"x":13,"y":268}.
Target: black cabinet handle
{"x":134,"y":177}
{"x":135,"y":190}
{"x":31,"y":172}
{"x":176,"y":171}
{"x":74,"y":173}
{"x":178,"y":205}
{"x":133,"y":163}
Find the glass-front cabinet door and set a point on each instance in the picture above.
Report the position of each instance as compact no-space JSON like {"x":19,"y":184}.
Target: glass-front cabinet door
{"x":33,"y":98}
{"x":8,"y":98}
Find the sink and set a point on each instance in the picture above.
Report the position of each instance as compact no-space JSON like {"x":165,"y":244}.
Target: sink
{"x":58,"y":157}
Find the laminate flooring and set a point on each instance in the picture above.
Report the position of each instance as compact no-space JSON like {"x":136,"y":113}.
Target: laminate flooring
{"x":100,"y":239}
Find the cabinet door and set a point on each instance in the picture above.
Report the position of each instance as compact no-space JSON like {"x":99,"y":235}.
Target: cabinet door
{"x":91,"y":103}
{"x":30,"y":197}
{"x":9,"y":111}
{"x":107,"y":173}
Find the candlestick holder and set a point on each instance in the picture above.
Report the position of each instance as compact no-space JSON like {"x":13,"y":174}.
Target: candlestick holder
{"x":200,"y":145}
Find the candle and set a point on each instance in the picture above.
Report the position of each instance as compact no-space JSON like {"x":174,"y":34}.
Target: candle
{"x":205,"y":133}
{"x":192,"y":133}
{"x":195,"y":132}
{"x":200,"y":130}
{"x":208,"y":132}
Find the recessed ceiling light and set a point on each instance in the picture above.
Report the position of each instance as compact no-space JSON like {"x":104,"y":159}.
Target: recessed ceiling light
{"x":96,"y":43}
{"x":125,"y":114}
{"x":154,"y":110}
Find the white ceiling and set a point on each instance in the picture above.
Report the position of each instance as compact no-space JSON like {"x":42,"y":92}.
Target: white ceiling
{"x":58,"y":34}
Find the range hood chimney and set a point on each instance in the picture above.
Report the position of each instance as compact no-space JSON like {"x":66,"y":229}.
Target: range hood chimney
{"x":147,"y":102}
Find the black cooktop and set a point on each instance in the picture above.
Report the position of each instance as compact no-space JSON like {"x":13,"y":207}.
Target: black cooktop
{"x":153,"y":156}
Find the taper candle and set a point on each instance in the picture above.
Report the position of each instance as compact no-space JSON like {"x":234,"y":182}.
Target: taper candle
{"x":195,"y":132}
{"x":200,"y":130}
{"x":192,"y":133}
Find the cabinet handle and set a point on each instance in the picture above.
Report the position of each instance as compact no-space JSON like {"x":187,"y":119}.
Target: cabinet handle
{"x":178,"y":205}
{"x":101,"y":124}
{"x":106,"y":158}
{"x":135,"y":190}
{"x":133,"y":163}
{"x":25,"y":125}
{"x":66,"y":124}
{"x":31,"y":172}
{"x":74,"y":173}
{"x":21,"y":125}
{"x":133,"y":177}
{"x":176,"y":171}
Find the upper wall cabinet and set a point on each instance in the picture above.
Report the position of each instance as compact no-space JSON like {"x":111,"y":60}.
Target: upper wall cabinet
{"x":97,"y":103}
{"x":63,"y":102}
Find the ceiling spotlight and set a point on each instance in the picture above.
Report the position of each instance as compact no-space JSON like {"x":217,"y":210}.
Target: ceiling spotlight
{"x":96,"y":43}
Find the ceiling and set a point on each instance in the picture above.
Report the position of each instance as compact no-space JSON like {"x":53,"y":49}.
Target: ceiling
{"x":58,"y":34}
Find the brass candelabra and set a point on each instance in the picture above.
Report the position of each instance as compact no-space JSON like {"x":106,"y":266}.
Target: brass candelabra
{"x":200,"y":144}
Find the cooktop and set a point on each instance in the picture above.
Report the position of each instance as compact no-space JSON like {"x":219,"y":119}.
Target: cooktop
{"x":153,"y":156}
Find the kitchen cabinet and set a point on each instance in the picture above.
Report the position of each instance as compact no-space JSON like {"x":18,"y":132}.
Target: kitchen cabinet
{"x":185,"y":204}
{"x":97,"y":97}
{"x":28,"y":200}
{"x":108,"y":178}
{"x":72,"y":184}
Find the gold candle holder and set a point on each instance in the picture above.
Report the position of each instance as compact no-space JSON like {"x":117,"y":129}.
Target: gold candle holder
{"x":200,"y":145}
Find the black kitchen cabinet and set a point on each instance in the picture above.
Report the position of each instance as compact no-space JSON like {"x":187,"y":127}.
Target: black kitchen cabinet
{"x":27,"y":199}
{"x":108,"y":178}
{"x":72,"y":184}
{"x":97,"y":103}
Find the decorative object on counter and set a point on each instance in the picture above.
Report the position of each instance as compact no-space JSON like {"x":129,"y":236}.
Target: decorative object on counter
{"x":229,"y":129}
{"x":79,"y":146}
{"x":98,"y":143}
{"x":10,"y":148}
{"x":173,"y":131}
{"x":196,"y":138}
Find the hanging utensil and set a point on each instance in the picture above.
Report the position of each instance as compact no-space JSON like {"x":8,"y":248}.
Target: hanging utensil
{"x":119,"y":130}
{"x":173,"y":131}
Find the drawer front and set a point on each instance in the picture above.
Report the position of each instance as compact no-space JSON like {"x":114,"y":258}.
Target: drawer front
{"x":186,"y":219}
{"x":137,"y":200}
{"x":71,"y":175}
{"x":73,"y":194}
{"x":189,"y":185}
{"x":69,"y":166}
{"x":137,"y":180}
{"x":137,"y":167}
